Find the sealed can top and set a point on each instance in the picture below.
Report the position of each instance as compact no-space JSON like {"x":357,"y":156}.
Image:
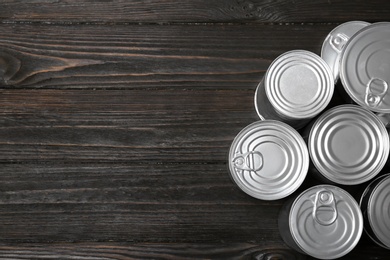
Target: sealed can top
{"x":378,"y":211}
{"x":335,"y":42}
{"x":348,"y":144}
{"x":365,"y":67}
{"x":325,"y":222}
{"x":268,"y":160}
{"x":299,"y":84}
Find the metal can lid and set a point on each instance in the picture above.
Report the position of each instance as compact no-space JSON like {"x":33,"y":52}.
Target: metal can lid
{"x":365,"y":66}
{"x":299,"y":84}
{"x":325,"y":222}
{"x":268,"y":160}
{"x":378,"y":211}
{"x":335,"y":42}
{"x":348,"y":144}
{"x":265,"y":110}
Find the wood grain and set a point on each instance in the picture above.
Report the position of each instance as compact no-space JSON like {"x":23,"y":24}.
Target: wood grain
{"x":200,"y":11}
{"x":130,"y":202}
{"x":113,"y":126}
{"x":116,"y":118}
{"x":117,"y":251}
{"x":95,"y":251}
{"x":147,"y":56}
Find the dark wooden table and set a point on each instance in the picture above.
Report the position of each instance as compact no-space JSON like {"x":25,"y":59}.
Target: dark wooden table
{"x":116,"y":118}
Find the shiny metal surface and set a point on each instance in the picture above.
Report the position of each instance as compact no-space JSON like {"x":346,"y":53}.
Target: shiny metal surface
{"x":335,"y":42}
{"x":365,"y":67}
{"x":299,"y":84}
{"x":348,"y":145}
{"x":265,"y":110}
{"x":325,"y":222}
{"x":375,"y":207}
{"x":268,"y":160}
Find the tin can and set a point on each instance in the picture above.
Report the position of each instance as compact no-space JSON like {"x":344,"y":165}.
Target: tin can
{"x":297,"y":86}
{"x":335,"y":42}
{"x":365,"y":67}
{"x":324,"y":222}
{"x":348,"y":145}
{"x":374,"y":204}
{"x":268,"y":160}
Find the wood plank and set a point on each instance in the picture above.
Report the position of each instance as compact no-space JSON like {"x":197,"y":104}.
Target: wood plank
{"x":156,"y":203}
{"x":120,"y":125}
{"x":220,"y":11}
{"x":99,"y":251}
{"x":147,"y":56}
{"x":116,"y":118}
{"x":130,"y":202}
{"x":104,"y":251}
{"x":168,"y":204}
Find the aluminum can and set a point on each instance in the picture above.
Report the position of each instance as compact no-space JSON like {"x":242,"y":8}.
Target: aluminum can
{"x":268,"y":160}
{"x":365,"y":67}
{"x":374,"y":204}
{"x":324,"y":222}
{"x":335,"y":42}
{"x":297,"y":86}
{"x":348,"y":145}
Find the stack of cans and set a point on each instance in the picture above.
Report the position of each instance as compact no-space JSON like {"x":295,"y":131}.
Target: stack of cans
{"x":299,"y":132}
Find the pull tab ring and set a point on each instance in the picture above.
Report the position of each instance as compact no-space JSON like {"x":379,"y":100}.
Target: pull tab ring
{"x":374,"y":96}
{"x":338,"y":41}
{"x":250,"y":161}
{"x":325,"y":210}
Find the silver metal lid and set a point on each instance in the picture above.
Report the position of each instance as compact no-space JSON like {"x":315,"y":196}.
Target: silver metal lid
{"x":378,"y":211}
{"x":325,"y":222}
{"x":268,"y":160}
{"x":348,"y":144}
{"x":299,"y":84}
{"x":335,"y":42}
{"x":266,"y":111}
{"x":365,"y":67}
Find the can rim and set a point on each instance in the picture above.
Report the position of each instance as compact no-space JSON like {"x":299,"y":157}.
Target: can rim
{"x":303,"y":169}
{"x":255,"y":99}
{"x":370,"y":214}
{"x":347,"y":87}
{"x":327,"y":46}
{"x":356,"y":206}
{"x":322,"y":99}
{"x":314,"y":147}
